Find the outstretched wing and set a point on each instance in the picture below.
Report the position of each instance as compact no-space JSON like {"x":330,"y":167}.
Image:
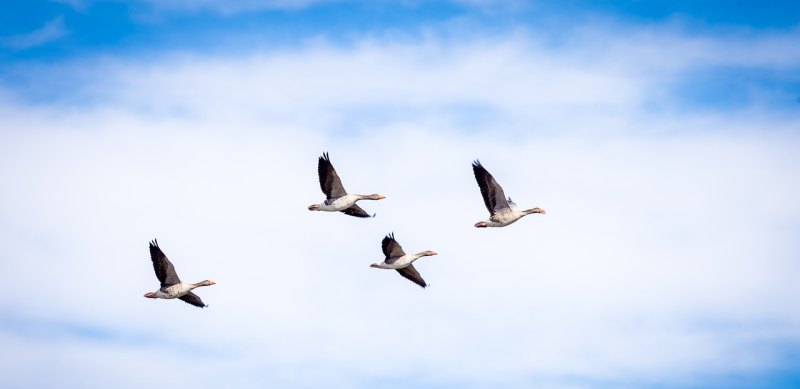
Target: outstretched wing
{"x":492,"y":193}
{"x":356,"y":211}
{"x":193,"y":299}
{"x":391,"y":249}
{"x":410,"y":273}
{"x":165,"y":272}
{"x":329,"y":181}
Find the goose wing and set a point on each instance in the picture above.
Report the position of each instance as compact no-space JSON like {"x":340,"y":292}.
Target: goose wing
{"x":356,"y":211}
{"x":492,"y":193}
{"x":165,"y":271}
{"x":391,"y":249}
{"x":409,"y":272}
{"x":193,"y":299}
{"x":329,"y":181}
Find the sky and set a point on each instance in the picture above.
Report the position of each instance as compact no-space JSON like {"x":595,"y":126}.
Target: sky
{"x":661,"y":138}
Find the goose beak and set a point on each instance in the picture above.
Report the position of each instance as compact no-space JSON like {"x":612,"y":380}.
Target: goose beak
{"x":480,"y":225}
{"x":313,"y":207}
{"x":375,"y":265}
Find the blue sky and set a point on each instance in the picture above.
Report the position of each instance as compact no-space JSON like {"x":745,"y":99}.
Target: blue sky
{"x":661,"y":137}
{"x":114,"y":26}
{"x":88,"y":26}
{"x":44,"y":32}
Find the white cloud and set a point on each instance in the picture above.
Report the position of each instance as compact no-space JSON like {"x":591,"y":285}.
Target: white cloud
{"x":51,"y":31}
{"x":234,"y":7}
{"x":223,"y":7}
{"x":228,"y":7}
{"x":668,"y":246}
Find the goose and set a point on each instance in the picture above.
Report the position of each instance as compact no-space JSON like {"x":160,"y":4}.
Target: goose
{"x":398,"y":260}
{"x":171,"y":285}
{"x":336,"y":198}
{"x":500,"y":208}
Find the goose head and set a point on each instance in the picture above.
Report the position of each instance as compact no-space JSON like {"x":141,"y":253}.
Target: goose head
{"x":313,"y":207}
{"x":375,"y":265}
{"x":376,"y":196}
{"x":535,"y":210}
{"x":428,"y":253}
{"x":480,"y":224}
{"x":151,"y":295}
{"x":207,"y":283}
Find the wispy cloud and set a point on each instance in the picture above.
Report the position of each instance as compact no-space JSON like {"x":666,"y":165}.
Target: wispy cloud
{"x":219,"y":6}
{"x":237,"y":6}
{"x":63,"y":329}
{"x":51,"y":31}
{"x":244,"y":6}
{"x":512,"y":80}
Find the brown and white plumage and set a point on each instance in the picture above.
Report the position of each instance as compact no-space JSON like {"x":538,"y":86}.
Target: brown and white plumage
{"x":171,"y":285}
{"x":336,"y":198}
{"x":398,"y":260}
{"x":499,"y":206}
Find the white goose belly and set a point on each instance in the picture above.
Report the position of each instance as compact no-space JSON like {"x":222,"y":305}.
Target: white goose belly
{"x":340,"y":204}
{"x":505,"y":218}
{"x":400,"y":262}
{"x":174,"y":291}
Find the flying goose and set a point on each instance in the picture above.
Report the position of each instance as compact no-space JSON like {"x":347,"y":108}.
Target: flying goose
{"x":398,"y":260}
{"x":336,"y":198}
{"x":171,"y":285}
{"x":499,"y":207}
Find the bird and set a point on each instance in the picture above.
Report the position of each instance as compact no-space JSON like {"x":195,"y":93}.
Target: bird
{"x":500,"y":207}
{"x":336,"y":198}
{"x":398,"y":260}
{"x":171,"y":285}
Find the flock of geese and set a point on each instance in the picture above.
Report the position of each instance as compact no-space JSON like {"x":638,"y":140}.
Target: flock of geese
{"x":501,"y":213}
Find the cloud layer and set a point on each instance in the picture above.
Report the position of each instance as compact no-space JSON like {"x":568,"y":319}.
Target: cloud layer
{"x":666,"y":256}
{"x":51,"y":31}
